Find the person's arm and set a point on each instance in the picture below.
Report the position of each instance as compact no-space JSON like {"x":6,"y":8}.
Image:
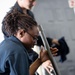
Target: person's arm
{"x":42,"y":58}
{"x":18,"y":63}
{"x":34,"y":66}
{"x":47,"y":64}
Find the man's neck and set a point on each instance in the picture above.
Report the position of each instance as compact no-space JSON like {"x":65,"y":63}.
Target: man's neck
{"x":24,"y":11}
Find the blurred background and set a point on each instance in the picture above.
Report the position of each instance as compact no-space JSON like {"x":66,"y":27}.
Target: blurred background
{"x":57,"y":18}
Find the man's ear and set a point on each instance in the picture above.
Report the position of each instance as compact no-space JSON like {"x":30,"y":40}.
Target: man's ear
{"x":21,"y":32}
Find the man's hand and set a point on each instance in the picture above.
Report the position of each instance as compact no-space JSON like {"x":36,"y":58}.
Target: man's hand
{"x":48,"y":66}
{"x":43,"y":54}
{"x":54,"y":51}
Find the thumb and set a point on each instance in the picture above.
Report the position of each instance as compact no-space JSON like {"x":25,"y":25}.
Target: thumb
{"x":42,"y":48}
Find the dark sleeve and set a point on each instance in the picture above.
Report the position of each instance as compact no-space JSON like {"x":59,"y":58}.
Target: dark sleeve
{"x":18,"y":64}
{"x":35,"y":56}
{"x":40,"y":42}
{"x":63,"y":49}
{"x":32,"y":56}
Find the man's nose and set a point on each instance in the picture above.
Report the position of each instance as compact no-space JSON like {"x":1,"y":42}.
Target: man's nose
{"x":34,"y":3}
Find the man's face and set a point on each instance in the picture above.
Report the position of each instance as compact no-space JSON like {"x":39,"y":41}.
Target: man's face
{"x":31,"y":37}
{"x":32,"y":3}
{"x":28,"y":4}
